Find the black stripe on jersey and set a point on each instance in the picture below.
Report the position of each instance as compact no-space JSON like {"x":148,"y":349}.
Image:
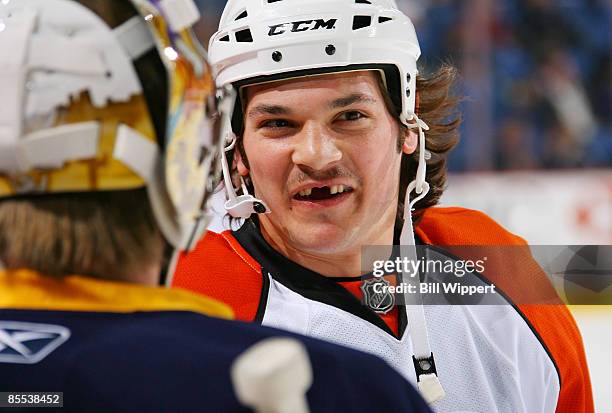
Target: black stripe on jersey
{"x":263,"y":298}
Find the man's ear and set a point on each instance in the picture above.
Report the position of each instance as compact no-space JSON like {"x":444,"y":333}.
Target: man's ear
{"x":240,"y":164}
{"x":410,"y":141}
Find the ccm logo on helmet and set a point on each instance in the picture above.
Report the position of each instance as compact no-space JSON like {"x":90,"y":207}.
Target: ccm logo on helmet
{"x":302,"y":26}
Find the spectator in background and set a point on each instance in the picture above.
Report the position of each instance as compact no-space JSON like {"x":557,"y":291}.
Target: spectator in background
{"x":571,"y":125}
{"x":515,"y":137}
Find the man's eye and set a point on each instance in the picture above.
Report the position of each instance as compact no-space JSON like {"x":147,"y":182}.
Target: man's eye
{"x":351,"y":116}
{"x":276,"y":123}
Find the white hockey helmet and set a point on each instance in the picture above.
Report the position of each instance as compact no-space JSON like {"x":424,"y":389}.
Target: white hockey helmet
{"x":77,"y":116}
{"x":260,"y":40}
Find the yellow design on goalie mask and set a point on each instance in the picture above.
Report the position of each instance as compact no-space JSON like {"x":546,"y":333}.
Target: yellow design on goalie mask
{"x":95,"y":174}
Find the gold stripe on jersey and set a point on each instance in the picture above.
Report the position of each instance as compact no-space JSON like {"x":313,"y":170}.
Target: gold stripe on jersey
{"x":28,"y":290}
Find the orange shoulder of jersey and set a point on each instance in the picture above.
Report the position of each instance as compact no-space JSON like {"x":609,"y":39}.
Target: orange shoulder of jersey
{"x":220,"y":268}
{"x":511,"y":267}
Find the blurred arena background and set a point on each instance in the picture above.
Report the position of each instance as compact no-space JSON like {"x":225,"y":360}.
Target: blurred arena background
{"x":536,"y":149}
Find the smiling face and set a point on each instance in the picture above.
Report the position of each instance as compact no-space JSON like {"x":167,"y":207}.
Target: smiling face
{"x":323,"y":155}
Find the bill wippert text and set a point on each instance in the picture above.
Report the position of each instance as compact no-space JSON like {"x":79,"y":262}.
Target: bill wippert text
{"x":448,"y":288}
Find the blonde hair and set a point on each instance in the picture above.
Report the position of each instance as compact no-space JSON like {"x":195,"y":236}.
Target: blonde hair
{"x":110,"y":235}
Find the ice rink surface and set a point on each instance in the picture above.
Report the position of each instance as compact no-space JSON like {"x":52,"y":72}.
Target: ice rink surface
{"x":595,"y":324}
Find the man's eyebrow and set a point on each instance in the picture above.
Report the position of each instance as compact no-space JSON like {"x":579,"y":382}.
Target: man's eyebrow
{"x":264,"y":109}
{"x":350,"y":99}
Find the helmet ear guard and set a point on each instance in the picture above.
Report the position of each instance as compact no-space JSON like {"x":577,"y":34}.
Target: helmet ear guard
{"x":237,"y":206}
{"x":243,"y":206}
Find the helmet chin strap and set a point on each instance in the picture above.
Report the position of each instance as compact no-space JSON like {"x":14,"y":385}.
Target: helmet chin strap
{"x":245,"y":205}
{"x":419,"y":185}
{"x":239,"y":206}
{"x":427,"y":376}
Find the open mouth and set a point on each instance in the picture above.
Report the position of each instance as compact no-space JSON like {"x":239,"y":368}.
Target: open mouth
{"x":323,"y":193}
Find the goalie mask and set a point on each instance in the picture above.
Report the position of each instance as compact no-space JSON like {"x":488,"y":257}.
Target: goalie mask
{"x":81,"y":113}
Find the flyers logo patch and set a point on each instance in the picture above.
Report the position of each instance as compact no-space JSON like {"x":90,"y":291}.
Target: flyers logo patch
{"x":29,"y":343}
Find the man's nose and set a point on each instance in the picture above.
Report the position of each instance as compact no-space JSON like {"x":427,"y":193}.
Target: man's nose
{"x":315,"y":148}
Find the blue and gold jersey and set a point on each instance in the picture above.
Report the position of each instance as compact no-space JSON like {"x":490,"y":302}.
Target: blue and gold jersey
{"x":112,"y":347}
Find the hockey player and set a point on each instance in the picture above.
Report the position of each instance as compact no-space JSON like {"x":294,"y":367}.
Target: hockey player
{"x":106,"y":142}
{"x":339,"y":143}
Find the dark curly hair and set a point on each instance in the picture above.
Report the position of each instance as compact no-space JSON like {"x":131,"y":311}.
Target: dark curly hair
{"x":438,"y":107}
